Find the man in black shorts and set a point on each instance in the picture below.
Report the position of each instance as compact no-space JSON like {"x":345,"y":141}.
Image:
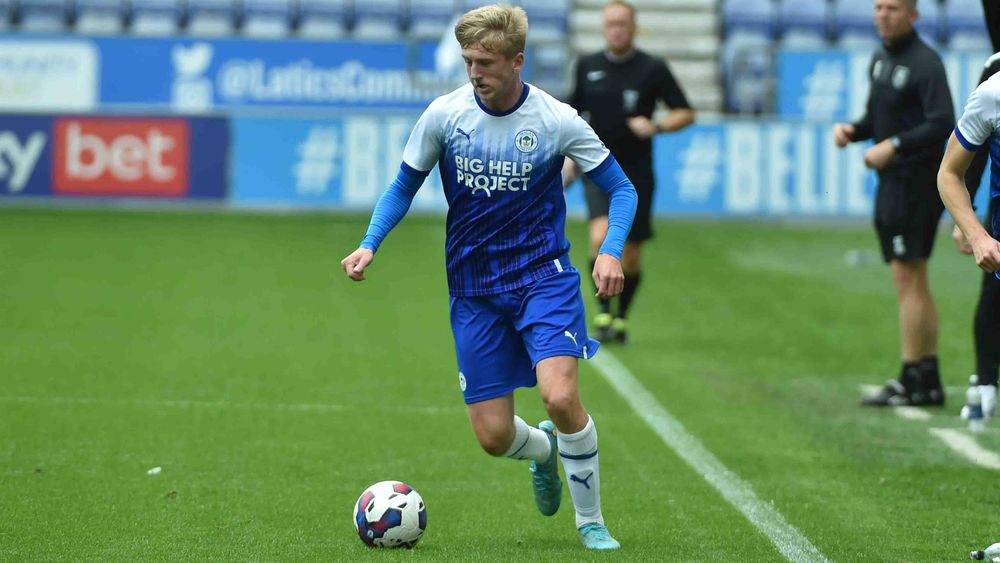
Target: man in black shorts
{"x":909,"y":115}
{"x":616,"y":91}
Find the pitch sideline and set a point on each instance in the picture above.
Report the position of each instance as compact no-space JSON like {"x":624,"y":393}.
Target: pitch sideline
{"x":763,"y":515}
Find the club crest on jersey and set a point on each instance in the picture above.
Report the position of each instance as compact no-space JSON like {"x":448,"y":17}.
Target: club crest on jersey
{"x":526,"y":141}
{"x":899,"y":76}
{"x":630,"y":100}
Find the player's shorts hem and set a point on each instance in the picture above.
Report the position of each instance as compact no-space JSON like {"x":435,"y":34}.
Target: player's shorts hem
{"x":584,"y":354}
{"x":496,"y":394}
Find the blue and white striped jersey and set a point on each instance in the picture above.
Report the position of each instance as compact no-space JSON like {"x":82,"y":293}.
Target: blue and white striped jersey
{"x":502,"y":177}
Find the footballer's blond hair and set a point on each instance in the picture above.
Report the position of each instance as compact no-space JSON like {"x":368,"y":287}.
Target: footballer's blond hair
{"x":498,"y":28}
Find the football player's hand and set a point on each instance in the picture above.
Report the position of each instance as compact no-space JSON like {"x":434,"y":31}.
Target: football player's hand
{"x":842,"y":134}
{"x":608,"y":276}
{"x":641,"y":126}
{"x":963,"y":245}
{"x":987,"y":252}
{"x":355,"y":264}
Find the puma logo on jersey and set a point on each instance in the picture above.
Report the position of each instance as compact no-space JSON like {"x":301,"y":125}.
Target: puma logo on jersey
{"x":468,"y":136}
{"x":596,"y":75}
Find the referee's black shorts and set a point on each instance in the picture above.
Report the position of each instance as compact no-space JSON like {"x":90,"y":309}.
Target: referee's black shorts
{"x":641,"y":175}
{"x":907,"y":210}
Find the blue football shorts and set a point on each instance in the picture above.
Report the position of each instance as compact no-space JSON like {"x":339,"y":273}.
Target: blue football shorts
{"x":499,"y":339}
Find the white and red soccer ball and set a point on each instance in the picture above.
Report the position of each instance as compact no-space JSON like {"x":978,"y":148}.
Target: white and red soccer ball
{"x":390,"y":514}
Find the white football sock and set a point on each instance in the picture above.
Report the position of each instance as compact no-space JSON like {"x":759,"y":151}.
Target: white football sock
{"x":988,"y":393}
{"x":529,"y":442}
{"x":579,"y":457}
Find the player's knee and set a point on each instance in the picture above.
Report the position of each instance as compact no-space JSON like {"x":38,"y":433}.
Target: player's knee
{"x":561,"y":404}
{"x":494,"y":442}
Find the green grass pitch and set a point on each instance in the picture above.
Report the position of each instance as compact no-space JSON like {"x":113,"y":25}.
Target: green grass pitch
{"x":230,"y":350}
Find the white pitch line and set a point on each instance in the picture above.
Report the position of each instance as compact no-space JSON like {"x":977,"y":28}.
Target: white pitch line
{"x":907,"y":412}
{"x":763,"y":515}
{"x":968,"y":447}
{"x":959,"y":441}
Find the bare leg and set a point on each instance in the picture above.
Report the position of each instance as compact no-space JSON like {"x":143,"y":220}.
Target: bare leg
{"x":918,"y":318}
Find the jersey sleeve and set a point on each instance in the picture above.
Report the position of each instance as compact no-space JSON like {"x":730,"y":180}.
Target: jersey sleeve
{"x":669,"y":90}
{"x":423,"y":148}
{"x":979,"y":120}
{"x":578,"y":141}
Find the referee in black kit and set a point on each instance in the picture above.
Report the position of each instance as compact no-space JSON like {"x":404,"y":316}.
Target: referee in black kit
{"x":910,"y":116}
{"x":616,"y":91}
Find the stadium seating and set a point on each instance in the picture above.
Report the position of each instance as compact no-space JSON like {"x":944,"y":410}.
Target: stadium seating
{"x":44,"y":16}
{"x":853,"y":16}
{"x":211,"y":18}
{"x":749,"y":17}
{"x":929,"y":23}
{"x":378,"y":19}
{"x":549,"y":19}
{"x":266,"y":18}
{"x":430,"y":18}
{"x":966,"y":28}
{"x":859,"y":39}
{"x":100,"y":17}
{"x":323,"y":19}
{"x":6,"y":14}
{"x":804,"y":24}
{"x":155,"y":17}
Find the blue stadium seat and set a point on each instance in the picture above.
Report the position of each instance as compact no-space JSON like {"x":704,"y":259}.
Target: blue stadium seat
{"x":859,"y":40}
{"x":6,"y":14}
{"x":965,"y":25}
{"x":266,"y":18}
{"x":44,"y":16}
{"x":853,"y":16}
{"x":323,"y":19}
{"x":751,"y":16}
{"x":155,"y":18}
{"x":808,"y":18}
{"x":467,"y":5}
{"x":100,"y":17}
{"x":549,"y":19}
{"x":430,"y":19}
{"x":550,"y":64}
{"x":929,"y":23}
{"x":211,"y":18}
{"x":378,"y":19}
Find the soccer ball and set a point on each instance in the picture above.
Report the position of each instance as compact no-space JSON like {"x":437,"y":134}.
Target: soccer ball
{"x":390,"y":514}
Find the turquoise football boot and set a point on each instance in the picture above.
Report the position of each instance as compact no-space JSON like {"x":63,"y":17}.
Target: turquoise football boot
{"x":545,"y":476}
{"x":596,"y":536}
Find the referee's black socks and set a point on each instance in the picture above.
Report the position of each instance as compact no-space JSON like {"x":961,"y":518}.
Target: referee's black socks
{"x":929,"y":374}
{"x":628,"y":292}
